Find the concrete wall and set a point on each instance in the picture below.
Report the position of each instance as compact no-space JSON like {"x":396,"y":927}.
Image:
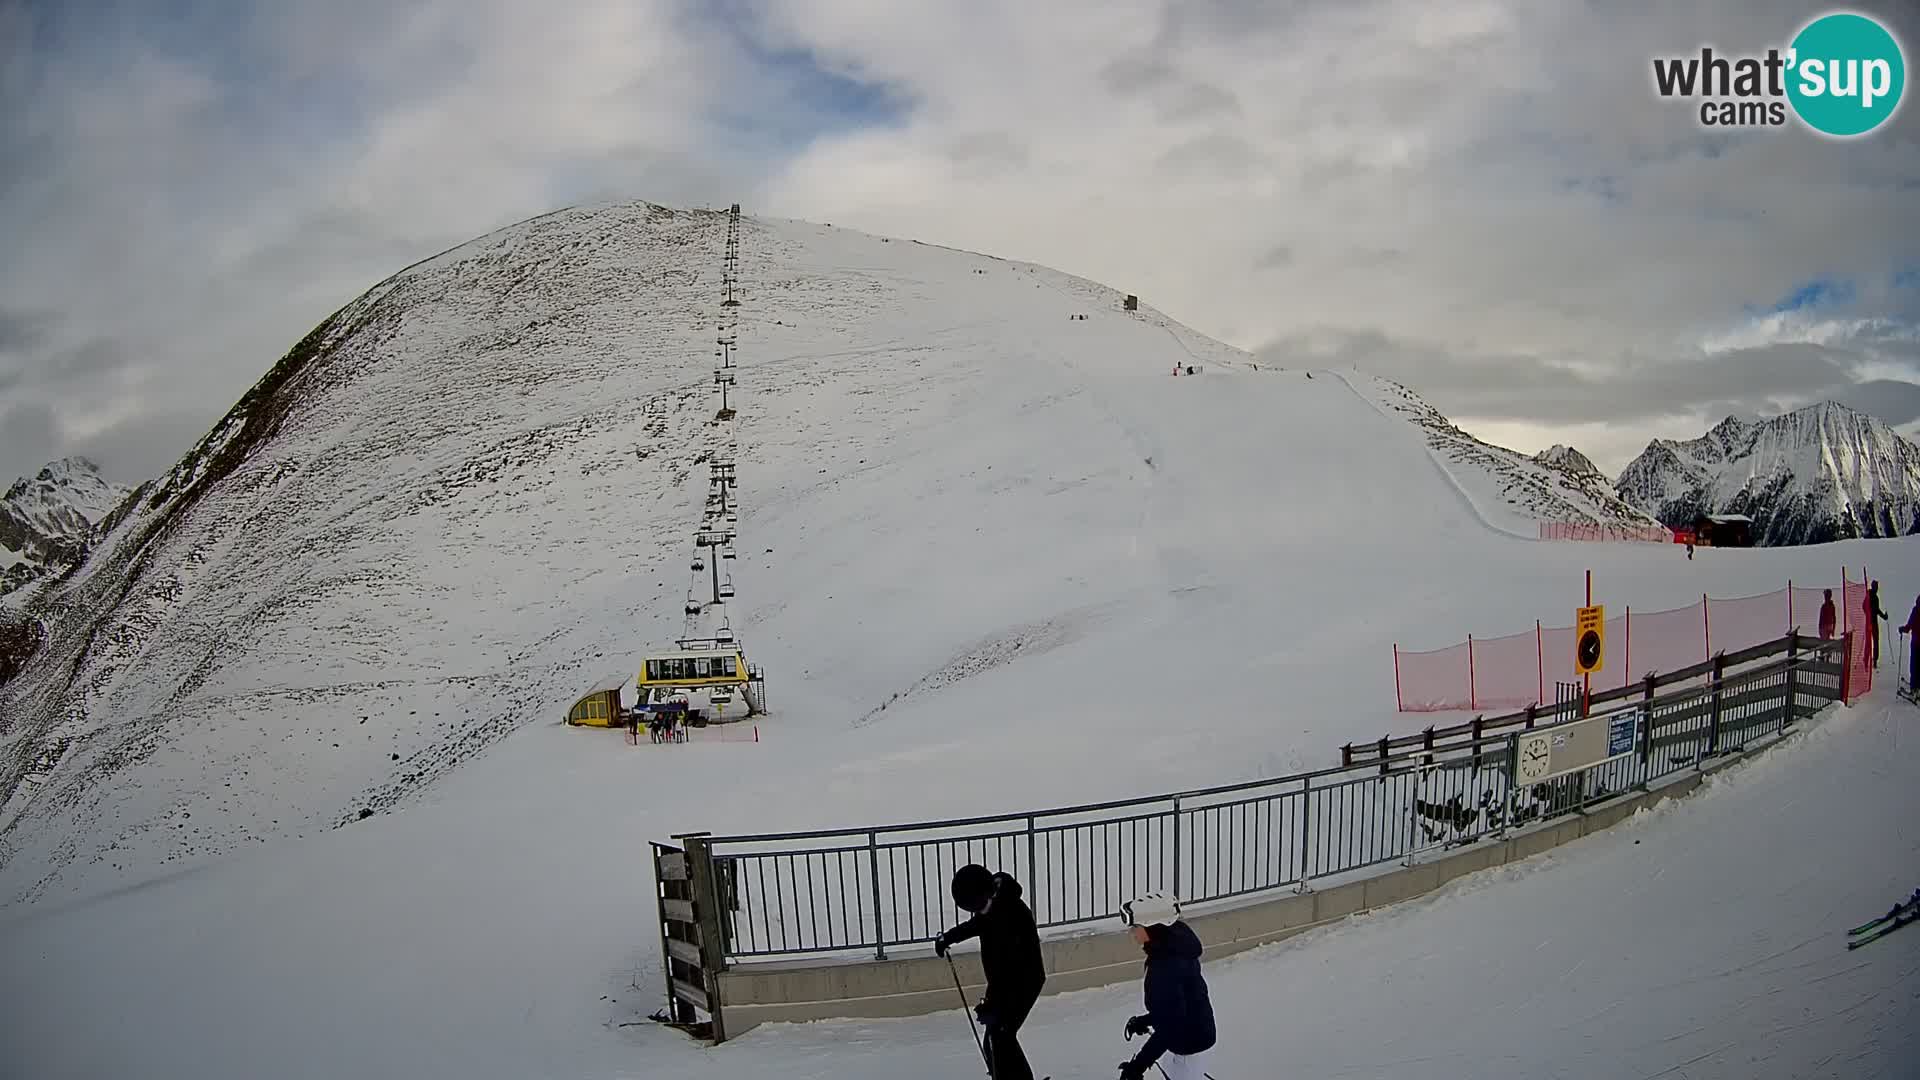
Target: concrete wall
{"x":753,"y":994}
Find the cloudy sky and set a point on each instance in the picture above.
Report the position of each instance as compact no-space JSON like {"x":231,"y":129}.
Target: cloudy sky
{"x":1482,"y":198}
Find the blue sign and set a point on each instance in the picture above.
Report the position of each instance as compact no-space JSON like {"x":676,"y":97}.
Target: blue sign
{"x":1620,"y":734}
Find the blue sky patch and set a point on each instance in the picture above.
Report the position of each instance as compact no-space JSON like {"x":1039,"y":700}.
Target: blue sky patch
{"x":808,"y":99}
{"x":1820,"y":292}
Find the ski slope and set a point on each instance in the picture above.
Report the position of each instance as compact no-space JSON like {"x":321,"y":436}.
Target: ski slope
{"x":479,"y":937}
{"x":992,"y":557}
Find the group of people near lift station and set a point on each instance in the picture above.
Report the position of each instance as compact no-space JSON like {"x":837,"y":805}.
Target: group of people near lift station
{"x":1178,"y":1022}
{"x":1870,"y":637}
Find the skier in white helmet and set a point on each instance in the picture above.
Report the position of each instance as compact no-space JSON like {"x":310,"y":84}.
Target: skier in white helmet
{"x":1179,"y":1013}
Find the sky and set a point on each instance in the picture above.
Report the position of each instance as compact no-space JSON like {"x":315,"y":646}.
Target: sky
{"x":1484,"y":199}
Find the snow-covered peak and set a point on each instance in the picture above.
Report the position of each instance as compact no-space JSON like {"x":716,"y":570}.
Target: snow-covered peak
{"x":65,"y":493}
{"x":1822,"y":472}
{"x":46,"y":519}
{"x":1566,"y":457}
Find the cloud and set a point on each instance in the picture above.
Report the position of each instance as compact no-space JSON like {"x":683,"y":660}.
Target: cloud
{"x":188,"y":191}
{"x":1487,"y":197}
{"x":27,"y":440}
{"x":1529,"y":397}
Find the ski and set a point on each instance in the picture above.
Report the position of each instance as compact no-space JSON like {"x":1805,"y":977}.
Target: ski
{"x":1883,"y":930}
{"x":1904,"y":907}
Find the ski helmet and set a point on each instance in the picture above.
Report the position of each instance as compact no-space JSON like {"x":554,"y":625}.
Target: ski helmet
{"x":972,"y":887}
{"x":1153,"y":909}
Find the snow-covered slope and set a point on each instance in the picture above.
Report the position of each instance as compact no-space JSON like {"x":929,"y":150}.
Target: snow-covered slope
{"x":1512,"y":491}
{"x":1824,"y":472}
{"x":1066,"y":575}
{"x":468,"y":495}
{"x":499,"y":932}
{"x":45,"y":520}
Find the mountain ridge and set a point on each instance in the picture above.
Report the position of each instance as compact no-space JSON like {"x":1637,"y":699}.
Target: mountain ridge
{"x":1816,"y":474}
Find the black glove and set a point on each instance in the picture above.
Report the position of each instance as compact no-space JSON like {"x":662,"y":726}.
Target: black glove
{"x":1133,"y":1070}
{"x":983,"y":1013}
{"x":1139,"y":1025}
{"x":941,"y":945}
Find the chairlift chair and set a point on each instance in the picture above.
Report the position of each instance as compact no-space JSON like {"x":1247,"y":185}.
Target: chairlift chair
{"x":726,"y":588}
{"x":699,"y":563}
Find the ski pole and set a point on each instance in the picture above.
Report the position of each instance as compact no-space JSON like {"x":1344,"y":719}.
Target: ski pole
{"x":1208,"y":1075}
{"x":1164,"y":1076}
{"x":969,"y":1011}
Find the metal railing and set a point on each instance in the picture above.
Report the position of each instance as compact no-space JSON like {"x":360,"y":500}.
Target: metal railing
{"x":837,"y":890}
{"x":1790,"y":645}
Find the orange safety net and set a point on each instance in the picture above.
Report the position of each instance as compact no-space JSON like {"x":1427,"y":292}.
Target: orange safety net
{"x":1577,"y":530}
{"x":1854,"y":620}
{"x":1518,"y":670}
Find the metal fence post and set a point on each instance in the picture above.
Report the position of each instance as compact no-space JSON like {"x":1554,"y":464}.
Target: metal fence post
{"x":1176,"y":845}
{"x":1790,"y":714}
{"x":1306,"y":801}
{"x":1713,"y":714}
{"x":706,"y":909}
{"x":1033,"y":878}
{"x":873,"y":866}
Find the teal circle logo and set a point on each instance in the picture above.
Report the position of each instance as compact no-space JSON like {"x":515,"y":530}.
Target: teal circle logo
{"x":1846,"y":74}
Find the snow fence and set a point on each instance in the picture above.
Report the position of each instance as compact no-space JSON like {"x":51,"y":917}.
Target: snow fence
{"x":1518,"y":670}
{"x":755,"y":912}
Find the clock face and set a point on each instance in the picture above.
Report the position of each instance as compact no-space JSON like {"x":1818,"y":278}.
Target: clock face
{"x":1589,"y":650}
{"x":1534,"y":753}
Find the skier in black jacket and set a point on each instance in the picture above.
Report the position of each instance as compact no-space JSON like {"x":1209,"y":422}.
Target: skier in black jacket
{"x":1010,"y":956}
{"x":1179,"y":1010}
{"x":1875,"y":616}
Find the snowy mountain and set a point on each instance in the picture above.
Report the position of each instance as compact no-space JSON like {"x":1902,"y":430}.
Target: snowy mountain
{"x":1821,"y":473}
{"x":298,"y":711}
{"x":1558,"y":484}
{"x":45,"y":520}
{"x":466,"y":496}
{"x":1567,"y":458}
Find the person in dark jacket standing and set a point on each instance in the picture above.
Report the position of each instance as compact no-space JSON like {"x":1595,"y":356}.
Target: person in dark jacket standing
{"x":1829,"y":618}
{"x":1913,"y":644}
{"x":1875,"y":616}
{"x":1010,"y":956}
{"x":1179,"y":1012}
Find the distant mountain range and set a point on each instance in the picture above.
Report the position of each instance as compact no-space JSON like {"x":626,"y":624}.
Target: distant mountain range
{"x":1821,"y":473}
{"x":47,"y":520}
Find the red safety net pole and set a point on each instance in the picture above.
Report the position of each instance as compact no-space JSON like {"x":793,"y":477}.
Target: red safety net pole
{"x":1473,"y":693}
{"x":1399,"y":703}
{"x":1540,"y":663}
{"x":1789,"y":605}
{"x":1846,"y":661}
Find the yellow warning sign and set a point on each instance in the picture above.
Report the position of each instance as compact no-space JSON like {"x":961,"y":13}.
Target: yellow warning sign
{"x":1590,"y":639}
